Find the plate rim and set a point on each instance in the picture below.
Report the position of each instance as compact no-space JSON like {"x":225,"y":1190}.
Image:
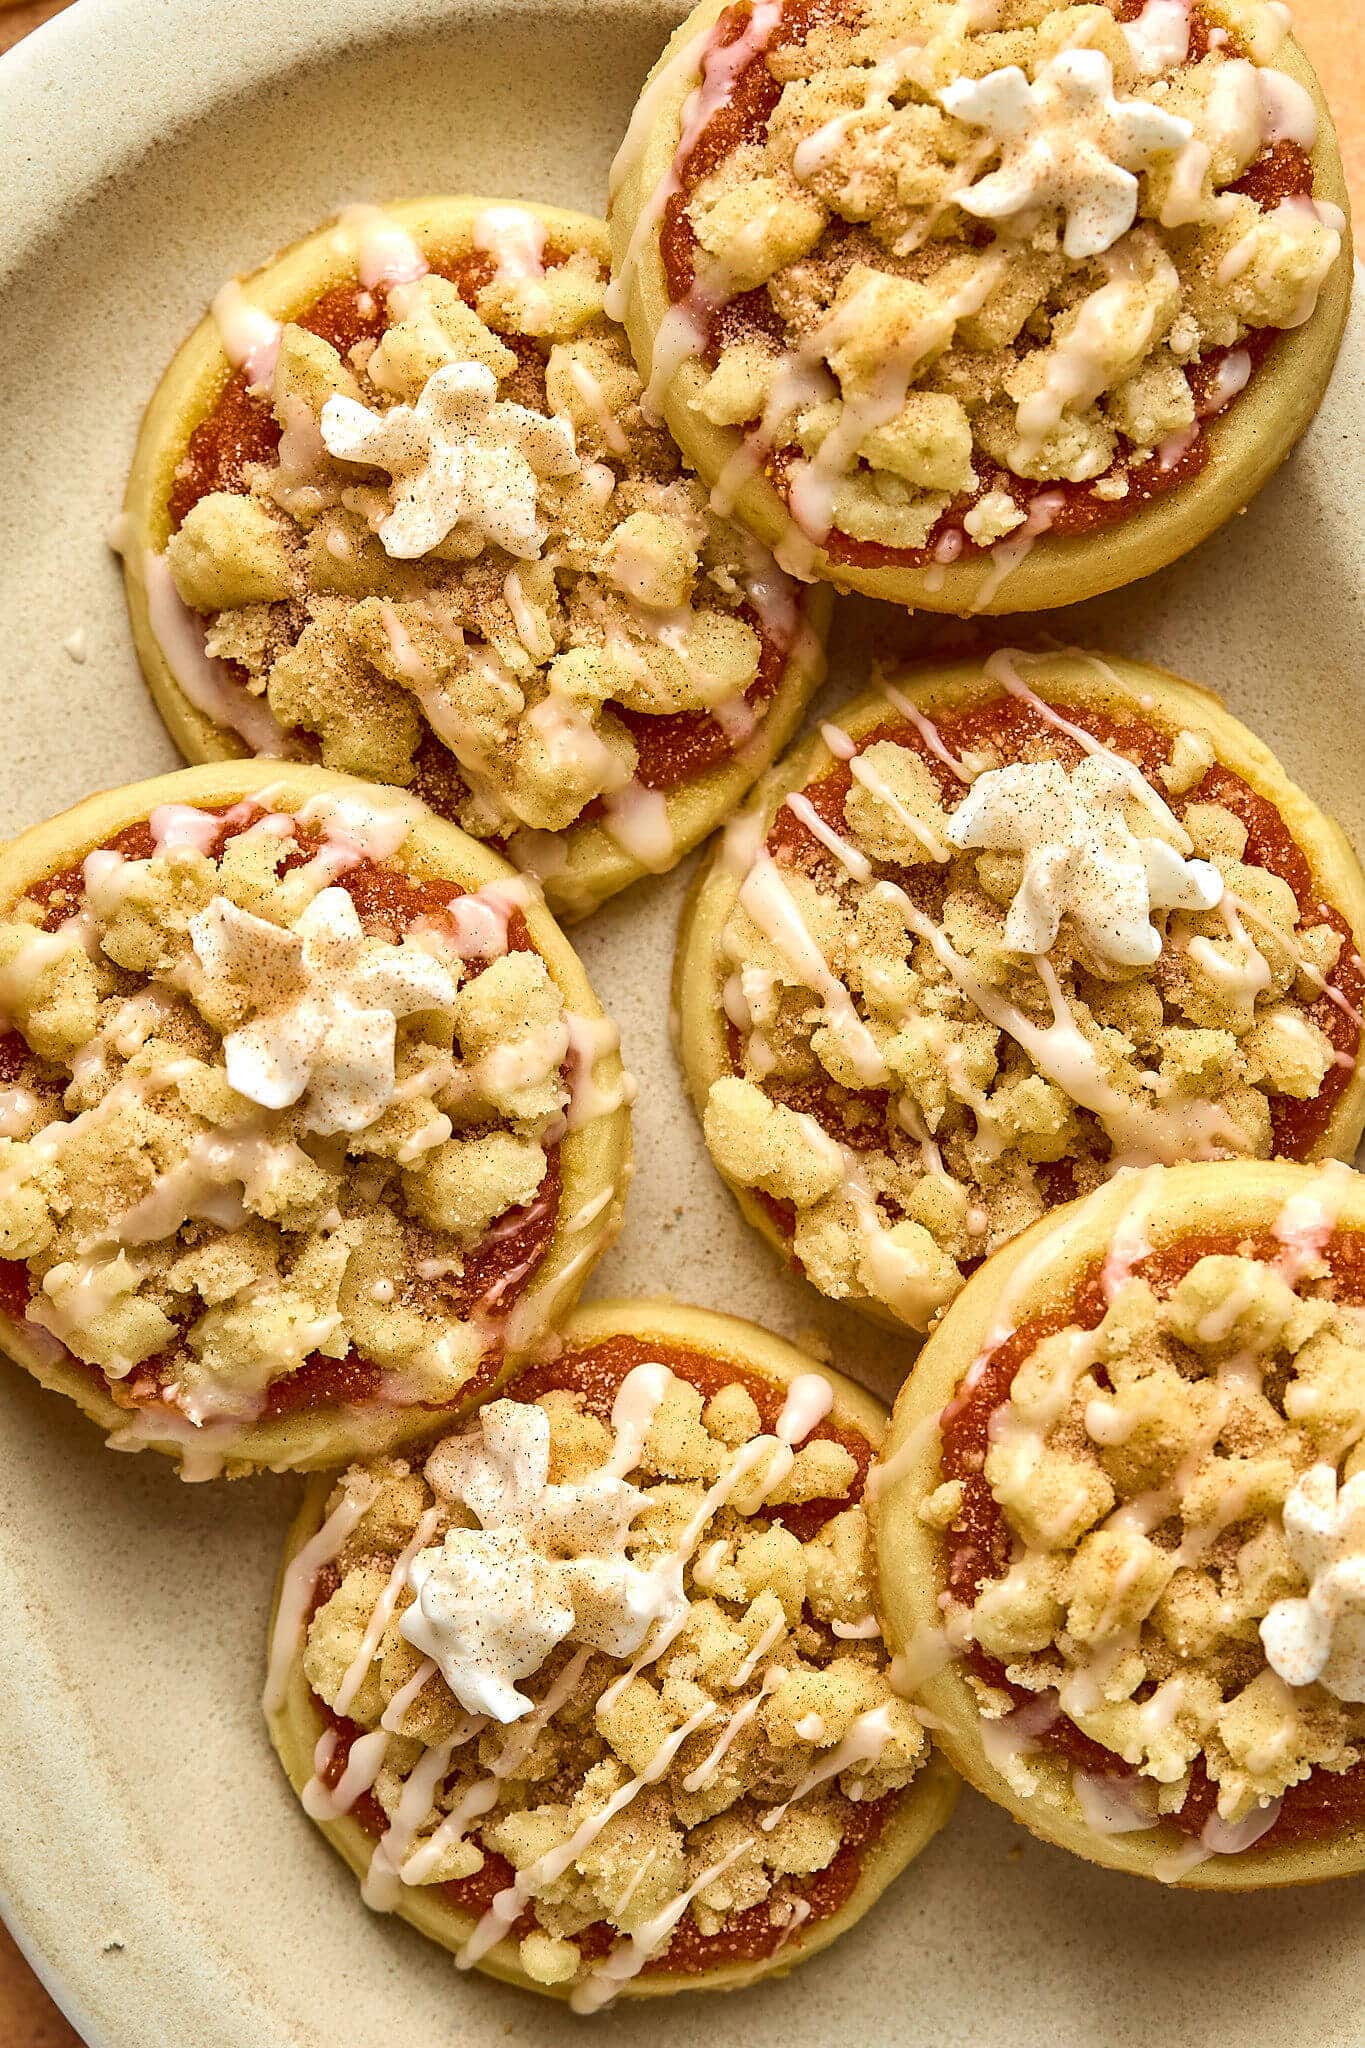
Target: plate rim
{"x":51,"y":83}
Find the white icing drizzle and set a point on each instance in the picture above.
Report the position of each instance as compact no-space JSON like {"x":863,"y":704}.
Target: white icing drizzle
{"x":861,"y":1631}
{"x":481,"y":1796}
{"x":879,"y":85}
{"x":18,"y":1107}
{"x":629,"y":1957}
{"x":1141,"y":1131}
{"x":209,"y":685}
{"x":1011,"y":554}
{"x":397,"y":1708}
{"x":384,"y":252}
{"x":867,"y":777}
{"x":1305,"y":967}
{"x":250,"y":336}
{"x":593,"y":396}
{"x":479,"y":920}
{"x":380,"y":1888}
{"x":637,"y":819}
{"x":928,"y":1651}
{"x":857,"y":864}
{"x":300,"y":1580}
{"x":807,"y":1403}
{"x":1218,"y":1838}
{"x":364,"y":1762}
{"x":1230,"y":380}
{"x":1159,"y":39}
{"x":708,"y":1562}
{"x":927,"y":731}
{"x":203,"y":1452}
{"x":863,"y":1744}
{"x":515,"y":239}
{"x":383,"y":1611}
{"x":588,"y":1212}
{"x":740,"y":1719}
{"x":591,"y":1039}
{"x":815,"y":481}
{"x":1304,"y":1226}
{"x":800,"y":1914}
{"x":769,"y":902}
{"x":506,"y":1909}
{"x":1114,"y":1805}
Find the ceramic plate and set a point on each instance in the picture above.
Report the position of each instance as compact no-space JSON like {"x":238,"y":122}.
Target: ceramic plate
{"x":152,"y":1859}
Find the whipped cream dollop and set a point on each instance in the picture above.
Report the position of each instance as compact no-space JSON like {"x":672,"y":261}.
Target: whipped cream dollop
{"x":546,"y":1563}
{"x":1064,"y":141}
{"x":460,"y":457}
{"x":1082,"y":856}
{"x":1320,"y":1639}
{"x":325,"y":1003}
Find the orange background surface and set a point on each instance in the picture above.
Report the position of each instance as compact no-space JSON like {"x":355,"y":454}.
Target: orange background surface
{"x":1334,"y":37}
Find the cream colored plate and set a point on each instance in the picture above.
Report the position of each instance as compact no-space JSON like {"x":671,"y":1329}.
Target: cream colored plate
{"x":151,"y":1857}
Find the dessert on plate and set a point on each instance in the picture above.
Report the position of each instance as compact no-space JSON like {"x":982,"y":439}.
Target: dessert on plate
{"x":310,"y":1121}
{"x":1121,"y":1526}
{"x":397,"y":507}
{"x":1002,"y":928}
{"x":982,"y":305}
{"x":591,"y":1690}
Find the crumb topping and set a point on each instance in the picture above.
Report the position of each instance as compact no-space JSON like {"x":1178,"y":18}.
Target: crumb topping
{"x":965,"y":978}
{"x":955,"y":265}
{"x":261,"y":1121}
{"x":1179,"y":1478}
{"x":710,"y":1709}
{"x":467,"y":562}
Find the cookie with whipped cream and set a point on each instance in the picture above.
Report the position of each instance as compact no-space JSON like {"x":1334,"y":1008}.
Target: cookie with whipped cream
{"x":398,"y":507}
{"x":983,"y":305}
{"x":999,"y":930}
{"x":310,"y":1121}
{"x":592,"y":1692}
{"x":1120,"y":1526}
